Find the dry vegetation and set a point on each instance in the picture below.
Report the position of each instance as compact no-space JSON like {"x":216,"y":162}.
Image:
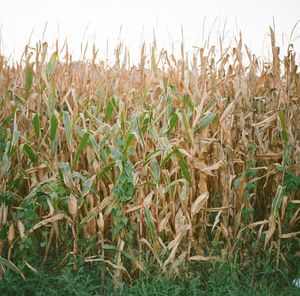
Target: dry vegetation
{"x":175,"y":159}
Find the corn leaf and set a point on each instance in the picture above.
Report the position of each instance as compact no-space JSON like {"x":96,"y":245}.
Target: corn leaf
{"x":36,"y":125}
{"x":83,"y":142}
{"x":111,"y":105}
{"x":53,"y":127}
{"x":87,"y":184}
{"x":183,"y":165}
{"x":206,"y":120}
{"x":173,"y":122}
{"x":67,"y":125}
{"x":29,"y":152}
{"x":150,"y":225}
{"x":67,"y":174}
{"x":28,"y":79}
{"x":128,"y":141}
{"x":51,"y":65}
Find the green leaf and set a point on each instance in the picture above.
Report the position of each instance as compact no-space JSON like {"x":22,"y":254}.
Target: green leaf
{"x":188,"y":102}
{"x":83,"y":142}
{"x":186,"y":125}
{"x":280,"y":168}
{"x":156,"y":170}
{"x":28,"y":79}
{"x":86,"y":187}
{"x":67,"y":125}
{"x":291,"y":182}
{"x":100,"y":99}
{"x":150,"y":225}
{"x":122,"y":116}
{"x":251,"y":146}
{"x":5,"y":162}
{"x":207,"y":119}
{"x":183,"y":165}
{"x":277,"y":201}
{"x":106,"y":169}
{"x":251,"y":172}
{"x":15,"y":138}
{"x":29,"y":152}
{"x":111,"y":105}
{"x":251,"y":186}
{"x":284,"y":132}
{"x":152,"y":155}
{"x":51,"y":65}
{"x":128,"y":140}
{"x":53,"y":127}
{"x":124,"y":188}
{"x":90,"y":215}
{"x":38,"y":187}
{"x":36,"y":125}
{"x":166,"y":159}
{"x":172,"y":123}
{"x":53,"y":134}
{"x":67,"y":174}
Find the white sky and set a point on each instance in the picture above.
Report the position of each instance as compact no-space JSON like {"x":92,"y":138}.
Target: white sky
{"x":100,"y":22}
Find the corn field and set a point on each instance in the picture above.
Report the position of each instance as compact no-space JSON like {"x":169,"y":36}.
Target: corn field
{"x":182,"y":159}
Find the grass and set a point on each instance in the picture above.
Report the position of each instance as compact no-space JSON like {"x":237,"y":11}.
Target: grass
{"x":206,"y":279}
{"x":170,"y":162}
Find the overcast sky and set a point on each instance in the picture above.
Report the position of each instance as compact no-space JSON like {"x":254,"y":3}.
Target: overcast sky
{"x":100,"y":22}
